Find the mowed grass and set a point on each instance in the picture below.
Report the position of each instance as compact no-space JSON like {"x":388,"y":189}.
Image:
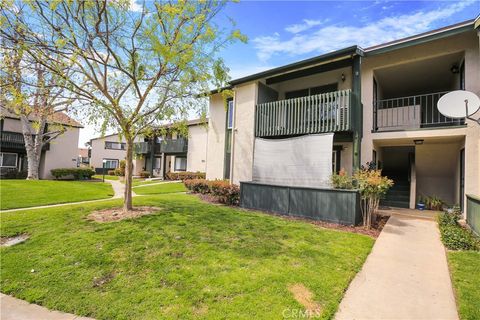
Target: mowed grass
{"x":168,"y":187}
{"x":107,"y":177}
{"x":465,"y":271}
{"x":191,"y":260}
{"x":30,"y":193}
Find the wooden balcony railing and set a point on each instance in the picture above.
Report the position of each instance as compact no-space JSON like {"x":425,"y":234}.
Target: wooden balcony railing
{"x":328,"y":112}
{"x":141,"y":147}
{"x":410,"y":113}
{"x":179,"y":145}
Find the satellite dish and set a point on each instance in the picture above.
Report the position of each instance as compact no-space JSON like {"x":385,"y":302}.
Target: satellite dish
{"x":459,"y":104}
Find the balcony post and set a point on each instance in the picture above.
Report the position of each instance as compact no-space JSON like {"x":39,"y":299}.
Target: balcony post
{"x":152,"y":151}
{"x":357,"y":113}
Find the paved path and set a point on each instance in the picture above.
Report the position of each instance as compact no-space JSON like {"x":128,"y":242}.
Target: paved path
{"x":405,"y":276}
{"x":118,"y":190}
{"x":157,"y":183}
{"x":16,"y":309}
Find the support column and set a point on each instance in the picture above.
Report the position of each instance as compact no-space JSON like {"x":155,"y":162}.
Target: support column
{"x":357,"y":111}
{"x":162,"y":166}
{"x":152,"y":155}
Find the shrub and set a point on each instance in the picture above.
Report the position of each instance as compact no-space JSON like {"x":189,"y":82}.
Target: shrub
{"x":10,"y":173}
{"x":221,"y":190}
{"x":342,"y":180}
{"x":185,"y":175}
{"x":77,"y":173}
{"x":225,"y":192}
{"x":120,"y":171}
{"x":145,"y":174}
{"x":197,"y":185}
{"x":111,"y":172}
{"x":454,"y":236}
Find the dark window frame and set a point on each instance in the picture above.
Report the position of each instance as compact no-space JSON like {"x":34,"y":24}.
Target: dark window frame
{"x":330,"y":87}
{"x":108,"y":145}
{"x":175,"y":163}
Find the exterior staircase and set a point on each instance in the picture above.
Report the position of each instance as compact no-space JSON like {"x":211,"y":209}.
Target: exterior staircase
{"x":399,"y":194}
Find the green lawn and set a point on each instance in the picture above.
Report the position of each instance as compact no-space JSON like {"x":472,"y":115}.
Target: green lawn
{"x":170,"y":187}
{"x":27,"y":193}
{"x":465,"y":270}
{"x":191,"y":260}
{"x":107,"y":177}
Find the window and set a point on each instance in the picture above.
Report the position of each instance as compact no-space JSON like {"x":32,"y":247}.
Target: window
{"x":8,"y":160}
{"x":230,"y":111}
{"x":115,"y":145}
{"x":180,"y":164}
{"x":311,"y":91}
{"x":111,"y":163}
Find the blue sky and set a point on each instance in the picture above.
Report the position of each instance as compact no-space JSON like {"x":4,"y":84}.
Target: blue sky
{"x":281,"y":32}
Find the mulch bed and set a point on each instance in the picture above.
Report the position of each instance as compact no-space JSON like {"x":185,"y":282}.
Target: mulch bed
{"x":117,"y":214}
{"x":374,"y":232}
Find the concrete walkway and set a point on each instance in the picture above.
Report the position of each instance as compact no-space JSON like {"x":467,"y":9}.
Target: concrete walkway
{"x":405,"y":276}
{"x":16,"y":309}
{"x":156,"y":183}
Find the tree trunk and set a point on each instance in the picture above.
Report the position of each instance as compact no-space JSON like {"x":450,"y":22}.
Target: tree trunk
{"x":127,"y":201}
{"x":33,"y":148}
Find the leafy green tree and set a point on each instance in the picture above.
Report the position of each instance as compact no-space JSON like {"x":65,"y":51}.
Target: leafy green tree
{"x":132,"y":68}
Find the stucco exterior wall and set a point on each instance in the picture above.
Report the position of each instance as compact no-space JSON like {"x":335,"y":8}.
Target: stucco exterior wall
{"x":197,"y":148}
{"x":216,"y":138}
{"x":346,"y":158}
{"x":243,"y":133}
{"x":12,"y":125}
{"x":467,"y":43}
{"x":63,"y":153}
{"x":99,"y":152}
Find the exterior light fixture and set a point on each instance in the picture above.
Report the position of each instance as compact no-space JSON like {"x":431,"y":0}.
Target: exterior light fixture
{"x":343,"y":77}
{"x":454,"y":69}
{"x":418,"y":141}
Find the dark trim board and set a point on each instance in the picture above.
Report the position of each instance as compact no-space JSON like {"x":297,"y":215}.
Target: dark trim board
{"x":331,"y":205}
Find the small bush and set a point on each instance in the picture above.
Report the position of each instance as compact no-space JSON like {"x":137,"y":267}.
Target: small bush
{"x":198,"y":185}
{"x":185,"y":175}
{"x":120,"y":171}
{"x":145,"y":174}
{"x":111,"y":172}
{"x":454,"y":236}
{"x":342,"y":180}
{"x":9,"y":173}
{"x":221,"y":190}
{"x":76,"y":173}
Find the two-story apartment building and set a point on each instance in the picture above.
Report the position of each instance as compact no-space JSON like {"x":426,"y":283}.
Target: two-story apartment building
{"x":62,"y":152}
{"x":380,"y":103}
{"x":158,"y":153}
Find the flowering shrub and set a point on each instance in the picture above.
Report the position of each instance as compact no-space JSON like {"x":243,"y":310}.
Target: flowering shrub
{"x":371,"y":185}
{"x":222,"y":190}
{"x":185,"y":175}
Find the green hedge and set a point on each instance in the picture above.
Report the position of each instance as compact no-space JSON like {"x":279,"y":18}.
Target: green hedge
{"x":77,"y":173}
{"x":222,"y":190}
{"x":185,"y":175}
{"x":454,"y":236}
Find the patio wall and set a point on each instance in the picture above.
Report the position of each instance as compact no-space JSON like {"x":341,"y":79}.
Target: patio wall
{"x":331,"y":205}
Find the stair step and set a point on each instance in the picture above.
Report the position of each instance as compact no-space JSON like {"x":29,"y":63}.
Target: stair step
{"x":397,"y":204}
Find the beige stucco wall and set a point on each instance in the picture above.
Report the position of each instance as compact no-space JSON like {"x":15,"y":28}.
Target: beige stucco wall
{"x":467,"y":43}
{"x":63,"y":153}
{"x":99,"y":152}
{"x":197,"y":148}
{"x":13,"y":125}
{"x":216,"y":138}
{"x":346,"y":158}
{"x":243,"y":132}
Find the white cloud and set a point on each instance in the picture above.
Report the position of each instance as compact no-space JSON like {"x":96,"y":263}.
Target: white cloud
{"x":307,"y":24}
{"x":135,"y":6}
{"x":336,"y":36}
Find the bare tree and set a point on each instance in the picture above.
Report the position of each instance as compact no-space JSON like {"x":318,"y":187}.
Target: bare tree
{"x":133,"y":68}
{"x":31,"y":93}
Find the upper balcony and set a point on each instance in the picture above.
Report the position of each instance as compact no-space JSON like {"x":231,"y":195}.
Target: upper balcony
{"x":15,"y":141}
{"x":320,"y":113}
{"x":168,"y":146}
{"x":405,"y":96}
{"x":410,"y":113}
